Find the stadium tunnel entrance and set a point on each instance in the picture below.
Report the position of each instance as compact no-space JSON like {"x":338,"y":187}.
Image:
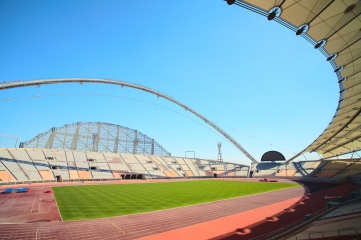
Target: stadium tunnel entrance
{"x":133,"y":176}
{"x":59,"y":178}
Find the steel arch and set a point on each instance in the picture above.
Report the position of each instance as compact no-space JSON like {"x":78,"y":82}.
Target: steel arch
{"x":17,"y":84}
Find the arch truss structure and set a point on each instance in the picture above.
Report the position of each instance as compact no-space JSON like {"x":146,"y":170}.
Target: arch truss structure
{"x":97,"y":137}
{"x":17,"y":84}
{"x":334,"y":28}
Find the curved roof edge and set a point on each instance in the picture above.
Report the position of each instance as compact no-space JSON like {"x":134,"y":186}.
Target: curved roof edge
{"x":332,"y":27}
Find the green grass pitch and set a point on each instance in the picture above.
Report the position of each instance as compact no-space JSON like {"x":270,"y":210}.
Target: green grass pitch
{"x":98,"y":201}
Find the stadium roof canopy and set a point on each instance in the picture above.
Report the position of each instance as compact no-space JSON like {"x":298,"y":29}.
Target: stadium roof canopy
{"x":334,"y":28}
{"x":96,"y":137}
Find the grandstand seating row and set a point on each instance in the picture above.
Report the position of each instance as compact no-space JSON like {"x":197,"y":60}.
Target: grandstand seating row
{"x":334,"y":169}
{"x":25,"y":164}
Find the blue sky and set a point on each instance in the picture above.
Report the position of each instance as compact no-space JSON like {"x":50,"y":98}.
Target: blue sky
{"x":258,"y":81}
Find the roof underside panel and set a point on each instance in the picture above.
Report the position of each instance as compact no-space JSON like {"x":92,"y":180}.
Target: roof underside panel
{"x":336,"y":23}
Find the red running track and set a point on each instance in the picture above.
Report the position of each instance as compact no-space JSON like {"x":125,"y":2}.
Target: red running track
{"x":148,"y":224}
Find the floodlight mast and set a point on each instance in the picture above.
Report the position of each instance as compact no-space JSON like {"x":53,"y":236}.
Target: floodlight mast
{"x":16,"y":84}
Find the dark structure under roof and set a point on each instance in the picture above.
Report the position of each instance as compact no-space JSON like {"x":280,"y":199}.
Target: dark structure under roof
{"x":272,"y":156}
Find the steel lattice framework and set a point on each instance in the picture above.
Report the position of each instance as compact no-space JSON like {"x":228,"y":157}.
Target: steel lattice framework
{"x":17,"y":84}
{"x":97,"y":137}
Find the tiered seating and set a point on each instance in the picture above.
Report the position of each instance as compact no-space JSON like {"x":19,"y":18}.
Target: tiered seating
{"x":57,"y":160}
{"x":98,"y":166}
{"x":36,"y":154}
{"x":46,"y":175}
{"x":287,"y":170}
{"x":162,"y":166}
{"x":143,"y":159}
{"x":308,"y":168}
{"x":167,"y":169}
{"x":218,"y":166}
{"x":54,"y":154}
{"x":356,"y":165}
{"x":180,"y":161}
{"x":137,"y":167}
{"x":186,"y":166}
{"x":5,"y":176}
{"x":61,"y":171}
{"x":153,"y":169}
{"x":241,"y":172}
{"x":44,"y":170}
{"x":205,"y":165}
{"x":326,"y":173}
{"x":12,"y":165}
{"x":73,"y":174}
{"x":173,"y":164}
{"x":169,"y":173}
{"x":129,"y":158}
{"x":191,"y":166}
{"x":116,"y":164}
{"x":133,"y":164}
{"x":41,"y":164}
{"x":219,"y":173}
{"x":189,"y":173}
{"x":343,"y":169}
{"x":81,"y":161}
{"x":198,"y":167}
{"x":353,"y":169}
{"x":207,"y":168}
{"x":265,"y":169}
{"x":229,"y":170}
{"x":69,"y":156}
{"x":15,"y":169}
{"x":25,"y":163}
{"x":67,"y":165}
{"x":330,"y":169}
{"x":286,"y":173}
{"x":230,"y":174}
{"x":157,"y":173}
{"x":84,"y":174}
{"x":116,"y":174}
{"x":159,"y":160}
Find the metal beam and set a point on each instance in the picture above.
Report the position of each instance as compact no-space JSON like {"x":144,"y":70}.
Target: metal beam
{"x":17,"y":84}
{"x":74,"y":142}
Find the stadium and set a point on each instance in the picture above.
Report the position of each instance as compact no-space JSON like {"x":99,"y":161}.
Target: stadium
{"x":102,"y":180}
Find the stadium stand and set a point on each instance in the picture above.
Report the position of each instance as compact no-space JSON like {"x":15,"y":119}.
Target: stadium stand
{"x":341,"y":219}
{"x":43,"y":165}
{"x":287,"y":170}
{"x":98,"y":166}
{"x":25,"y":163}
{"x":15,"y":169}
{"x":73,"y":174}
{"x":37,"y":165}
{"x":36,"y":154}
{"x":5,"y":176}
{"x":241,"y":172}
{"x":192,"y":166}
{"x":265,"y":169}
{"x":308,"y":168}
{"x":116,"y":164}
{"x":83,"y":174}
